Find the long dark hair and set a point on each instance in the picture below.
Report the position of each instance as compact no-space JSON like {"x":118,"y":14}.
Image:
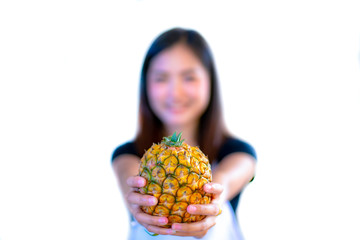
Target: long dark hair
{"x":211,"y":132}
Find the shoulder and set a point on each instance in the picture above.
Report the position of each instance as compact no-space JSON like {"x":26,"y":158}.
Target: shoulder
{"x":126,"y":148}
{"x":232,"y":145}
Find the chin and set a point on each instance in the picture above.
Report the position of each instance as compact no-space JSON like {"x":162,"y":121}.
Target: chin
{"x":175,"y":122}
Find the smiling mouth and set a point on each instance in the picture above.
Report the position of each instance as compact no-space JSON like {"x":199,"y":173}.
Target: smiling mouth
{"x":177,"y":108}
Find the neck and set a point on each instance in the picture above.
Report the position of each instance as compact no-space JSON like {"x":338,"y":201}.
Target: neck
{"x":189,"y":133}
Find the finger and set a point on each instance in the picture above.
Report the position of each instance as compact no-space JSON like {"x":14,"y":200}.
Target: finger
{"x":197,"y":235}
{"x":134,"y":208}
{"x":141,"y":199}
{"x":202,"y":234}
{"x":204,"y":209}
{"x":169,"y":231}
{"x":215,"y":188}
{"x":160,"y":230}
{"x":136,"y":181}
{"x":146,"y":219}
{"x":195,"y":227}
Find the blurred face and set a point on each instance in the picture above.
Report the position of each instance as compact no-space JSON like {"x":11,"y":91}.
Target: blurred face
{"x":178,"y":87}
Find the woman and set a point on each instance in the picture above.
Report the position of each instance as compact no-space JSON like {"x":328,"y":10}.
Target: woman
{"x":179,"y":92}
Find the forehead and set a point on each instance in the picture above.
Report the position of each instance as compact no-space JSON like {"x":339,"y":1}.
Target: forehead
{"x":176,"y":58}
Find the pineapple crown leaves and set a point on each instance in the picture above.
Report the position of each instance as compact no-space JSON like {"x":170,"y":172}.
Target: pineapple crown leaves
{"x":174,"y":140}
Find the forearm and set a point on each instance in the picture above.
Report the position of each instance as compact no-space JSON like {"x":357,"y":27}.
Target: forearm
{"x":234,"y":173}
{"x":124,"y":167}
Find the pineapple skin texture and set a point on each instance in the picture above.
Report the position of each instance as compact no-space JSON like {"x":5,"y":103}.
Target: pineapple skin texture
{"x":175,"y":176}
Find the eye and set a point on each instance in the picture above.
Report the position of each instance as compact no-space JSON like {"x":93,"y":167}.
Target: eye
{"x":189,"y":78}
{"x":159,"y":79}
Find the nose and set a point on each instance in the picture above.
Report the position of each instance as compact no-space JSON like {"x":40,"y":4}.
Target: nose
{"x":175,"y":88}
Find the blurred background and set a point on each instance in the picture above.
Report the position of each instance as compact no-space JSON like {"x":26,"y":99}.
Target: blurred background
{"x":69,"y":74}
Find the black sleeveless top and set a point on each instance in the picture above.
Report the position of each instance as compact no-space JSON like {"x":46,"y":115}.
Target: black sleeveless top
{"x":230,"y":145}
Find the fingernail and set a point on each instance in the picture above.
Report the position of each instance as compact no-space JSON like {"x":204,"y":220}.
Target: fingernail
{"x":140,"y":182}
{"x":162,"y":220}
{"x":170,"y":231}
{"x":152,"y":201}
{"x":191,"y":209}
{"x":176,"y":227}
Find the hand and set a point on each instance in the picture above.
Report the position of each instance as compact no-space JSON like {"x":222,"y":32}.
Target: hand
{"x":135,"y":200}
{"x":196,"y":229}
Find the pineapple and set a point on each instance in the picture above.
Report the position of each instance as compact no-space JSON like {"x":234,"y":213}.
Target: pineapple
{"x":175,"y":174}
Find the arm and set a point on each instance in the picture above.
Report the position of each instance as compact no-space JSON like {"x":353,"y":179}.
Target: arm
{"x":234,"y":173}
{"x":125,"y":166}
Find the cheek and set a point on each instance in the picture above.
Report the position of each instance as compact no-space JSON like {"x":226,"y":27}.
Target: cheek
{"x":156,"y":93}
{"x":203,"y":94}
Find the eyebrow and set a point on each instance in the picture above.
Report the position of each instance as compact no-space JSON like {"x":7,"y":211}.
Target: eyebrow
{"x":159,"y":72}
{"x":188,"y":71}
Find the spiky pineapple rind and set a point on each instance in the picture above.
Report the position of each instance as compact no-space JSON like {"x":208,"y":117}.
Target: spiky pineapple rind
{"x":175,"y":176}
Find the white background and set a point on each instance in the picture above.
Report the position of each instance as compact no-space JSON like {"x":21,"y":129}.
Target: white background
{"x":69,"y":73}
